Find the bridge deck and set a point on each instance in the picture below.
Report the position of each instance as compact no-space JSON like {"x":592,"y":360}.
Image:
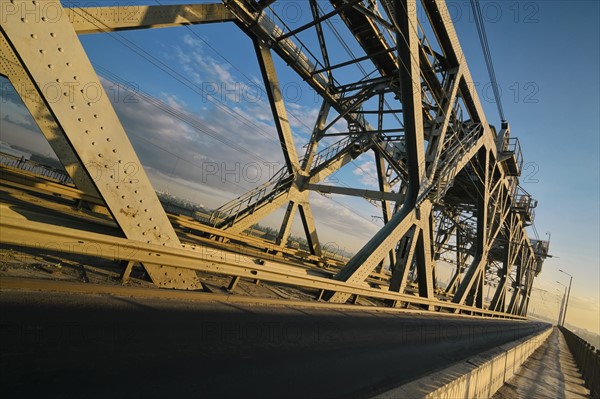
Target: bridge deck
{"x":551,"y":372}
{"x":69,"y":344}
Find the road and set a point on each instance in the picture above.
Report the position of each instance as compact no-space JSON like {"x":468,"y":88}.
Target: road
{"x":60,"y":344}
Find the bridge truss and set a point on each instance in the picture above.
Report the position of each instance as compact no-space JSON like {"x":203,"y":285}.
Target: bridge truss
{"x":448,"y":181}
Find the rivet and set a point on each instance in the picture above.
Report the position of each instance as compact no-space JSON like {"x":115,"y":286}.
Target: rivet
{"x":24,"y":20}
{"x":75,"y":77}
{"x":108,"y":139}
{"x":89,"y":105}
{"x":99,"y":155}
{"x":122,"y":196}
{"x":73,"y":106}
{"x":114,"y":150}
{"x":60,"y":49}
{"x":33,"y":36}
{"x":95,"y":115}
{"x":42,"y":51}
{"x":87,"y":132}
{"x":68,"y":64}
{"x":43,"y":19}
{"x":58,"y":80}
{"x":52,"y":34}
{"x":50,"y":66}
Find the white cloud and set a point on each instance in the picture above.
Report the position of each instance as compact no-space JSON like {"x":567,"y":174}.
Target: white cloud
{"x":213,"y":156}
{"x":336,"y":212}
{"x":366,"y":170}
{"x":173,"y":101}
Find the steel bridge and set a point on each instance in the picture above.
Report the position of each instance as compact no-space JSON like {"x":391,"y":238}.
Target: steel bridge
{"x":448,"y":180}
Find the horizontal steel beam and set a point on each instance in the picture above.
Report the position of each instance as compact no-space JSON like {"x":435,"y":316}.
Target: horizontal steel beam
{"x":111,"y":19}
{"x":357,"y":192}
{"x":22,"y":232}
{"x":29,"y":181}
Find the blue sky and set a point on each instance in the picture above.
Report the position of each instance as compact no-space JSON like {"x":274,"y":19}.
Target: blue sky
{"x":546,"y":60}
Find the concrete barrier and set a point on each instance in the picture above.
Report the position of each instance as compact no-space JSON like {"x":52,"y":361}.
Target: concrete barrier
{"x":477,"y":377}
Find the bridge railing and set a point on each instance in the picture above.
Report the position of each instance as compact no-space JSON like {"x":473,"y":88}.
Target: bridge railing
{"x":588,"y":360}
{"x":35,"y":167}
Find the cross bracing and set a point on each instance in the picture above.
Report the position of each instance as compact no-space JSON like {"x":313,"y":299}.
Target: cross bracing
{"x":448,"y":181}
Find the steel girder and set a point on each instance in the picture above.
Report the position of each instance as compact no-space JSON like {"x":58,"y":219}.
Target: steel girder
{"x":111,"y":19}
{"x":449,"y":169}
{"x":197,"y":257}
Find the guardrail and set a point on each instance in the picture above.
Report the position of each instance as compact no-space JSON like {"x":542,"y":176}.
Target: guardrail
{"x":587,"y":358}
{"x":35,"y":167}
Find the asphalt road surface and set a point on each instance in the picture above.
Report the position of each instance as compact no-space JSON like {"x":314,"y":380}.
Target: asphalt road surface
{"x":102,"y":346}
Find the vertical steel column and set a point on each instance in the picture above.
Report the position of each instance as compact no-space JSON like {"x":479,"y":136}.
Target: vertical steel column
{"x":527,"y":288}
{"x":286,"y":225}
{"x":461,"y":257}
{"x":365,"y":261}
{"x":404,"y":259}
{"x":499,"y":300}
{"x":382,"y":180}
{"x":316,"y":135}
{"x":482,"y":184}
{"x":517,"y":284}
{"x":286,"y":139}
{"x":424,"y":252}
{"x":282,"y":124}
{"x":310,"y":229}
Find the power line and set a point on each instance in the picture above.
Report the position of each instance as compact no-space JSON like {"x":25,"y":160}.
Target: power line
{"x":179,"y":115}
{"x":487,"y":54}
{"x":189,"y":84}
{"x":177,"y":76}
